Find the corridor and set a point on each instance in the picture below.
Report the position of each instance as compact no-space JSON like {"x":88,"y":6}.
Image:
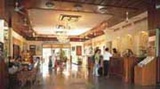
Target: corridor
{"x":76,"y":77}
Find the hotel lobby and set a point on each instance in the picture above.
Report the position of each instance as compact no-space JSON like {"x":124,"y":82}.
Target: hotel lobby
{"x":51,"y":44}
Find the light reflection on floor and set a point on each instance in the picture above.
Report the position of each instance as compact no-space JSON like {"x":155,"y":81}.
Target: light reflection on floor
{"x":72,"y":76}
{"x":69,"y":70}
{"x":44,"y":70}
{"x":76,"y":77}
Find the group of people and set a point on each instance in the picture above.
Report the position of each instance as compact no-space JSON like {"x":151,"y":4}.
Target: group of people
{"x":101,"y":62}
{"x":56,"y":61}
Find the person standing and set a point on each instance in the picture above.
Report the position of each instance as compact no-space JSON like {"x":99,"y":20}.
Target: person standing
{"x":106,"y":58}
{"x":50,"y":65}
{"x":97,"y":62}
{"x":115,"y":53}
{"x":53,"y":58}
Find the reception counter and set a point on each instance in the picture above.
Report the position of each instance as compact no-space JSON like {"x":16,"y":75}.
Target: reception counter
{"x":128,"y":66}
{"x":123,"y":67}
{"x":145,"y":74}
{"x":116,"y":67}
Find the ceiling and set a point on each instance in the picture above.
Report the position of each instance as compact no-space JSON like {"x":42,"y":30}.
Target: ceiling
{"x":48,"y":26}
{"x":43,"y":20}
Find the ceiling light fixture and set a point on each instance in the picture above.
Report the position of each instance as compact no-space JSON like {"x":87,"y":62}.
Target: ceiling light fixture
{"x":62,"y":34}
{"x":78,"y":7}
{"x":102,"y":9}
{"x":157,"y":6}
{"x":70,"y":18}
{"x":127,"y":17}
{"x":49,"y":4}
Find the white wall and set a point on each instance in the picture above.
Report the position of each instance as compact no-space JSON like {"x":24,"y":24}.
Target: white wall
{"x":130,"y":36}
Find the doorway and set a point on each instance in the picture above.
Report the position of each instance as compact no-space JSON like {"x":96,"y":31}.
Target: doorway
{"x":55,"y":49}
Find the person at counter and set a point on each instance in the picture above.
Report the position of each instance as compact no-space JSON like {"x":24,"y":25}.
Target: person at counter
{"x":115,"y":53}
{"x":128,"y":53}
{"x":106,"y":58}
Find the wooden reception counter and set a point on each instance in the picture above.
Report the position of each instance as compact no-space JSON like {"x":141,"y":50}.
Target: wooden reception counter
{"x":145,"y":74}
{"x":128,"y":65}
{"x":116,"y":66}
{"x":128,"y":69}
{"x":123,"y":67}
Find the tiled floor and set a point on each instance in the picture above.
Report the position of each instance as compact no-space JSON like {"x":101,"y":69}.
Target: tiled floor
{"x":77,"y":78}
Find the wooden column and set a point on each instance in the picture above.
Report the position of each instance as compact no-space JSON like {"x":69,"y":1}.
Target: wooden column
{"x":158,"y":54}
{"x":158,"y":70}
{"x":153,"y":17}
{"x":153,"y":24}
{"x":2,"y":9}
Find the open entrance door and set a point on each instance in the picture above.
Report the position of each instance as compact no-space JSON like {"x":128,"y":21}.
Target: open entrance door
{"x":55,"y":49}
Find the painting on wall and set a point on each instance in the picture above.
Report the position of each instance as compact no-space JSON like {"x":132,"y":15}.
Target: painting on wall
{"x":16,"y":50}
{"x":32,"y":49}
{"x":79,"y":50}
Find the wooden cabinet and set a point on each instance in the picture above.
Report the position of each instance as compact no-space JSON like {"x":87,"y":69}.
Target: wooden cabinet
{"x":145,"y":75}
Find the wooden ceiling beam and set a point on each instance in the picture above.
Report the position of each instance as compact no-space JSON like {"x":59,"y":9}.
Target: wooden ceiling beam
{"x":116,"y":2}
{"x":72,"y":11}
{"x":96,"y":29}
{"x":98,"y":1}
{"x":137,"y":3}
{"x":101,"y":1}
{"x":130,"y":3}
{"x":108,"y":5}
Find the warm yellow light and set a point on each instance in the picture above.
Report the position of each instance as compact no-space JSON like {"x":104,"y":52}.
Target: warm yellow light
{"x":129,"y":35}
{"x":118,"y":37}
{"x":144,"y":32}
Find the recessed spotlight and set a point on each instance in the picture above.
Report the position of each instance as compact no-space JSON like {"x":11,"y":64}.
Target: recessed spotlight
{"x":49,"y":4}
{"x":157,"y":6}
{"x":78,"y":7}
{"x":102,"y":9}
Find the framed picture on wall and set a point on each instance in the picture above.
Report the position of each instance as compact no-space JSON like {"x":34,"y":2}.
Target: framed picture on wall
{"x":16,"y":50}
{"x":79,"y":50}
{"x":32,"y":49}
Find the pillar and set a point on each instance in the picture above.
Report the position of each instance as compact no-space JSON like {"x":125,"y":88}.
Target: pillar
{"x":154,"y":29}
